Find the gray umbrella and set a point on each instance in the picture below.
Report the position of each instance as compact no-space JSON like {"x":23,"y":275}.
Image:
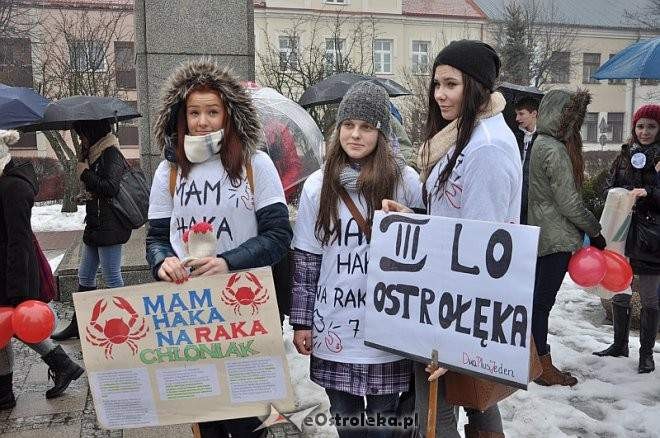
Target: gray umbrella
{"x":333,"y":88}
{"x":61,"y":114}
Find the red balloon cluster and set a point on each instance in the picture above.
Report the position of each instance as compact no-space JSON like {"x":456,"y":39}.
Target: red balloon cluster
{"x":590,"y":267}
{"x":31,"y":321}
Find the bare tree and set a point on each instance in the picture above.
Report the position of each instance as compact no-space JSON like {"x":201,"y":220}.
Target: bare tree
{"x":73,"y":50}
{"x":648,"y":19}
{"x":15,"y":21}
{"x":534,"y":40}
{"x":333,"y":44}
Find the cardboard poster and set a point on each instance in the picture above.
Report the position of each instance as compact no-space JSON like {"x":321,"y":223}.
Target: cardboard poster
{"x":161,"y":353}
{"x":462,"y":287}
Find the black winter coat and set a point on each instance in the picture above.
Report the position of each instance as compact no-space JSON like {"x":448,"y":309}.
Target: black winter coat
{"x":520,"y":137}
{"x":19,"y":269}
{"x":623,"y":174}
{"x":102,"y":179}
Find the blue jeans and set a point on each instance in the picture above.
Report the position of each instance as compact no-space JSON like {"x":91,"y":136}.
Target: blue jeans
{"x":344,"y":404}
{"x":109,"y":257}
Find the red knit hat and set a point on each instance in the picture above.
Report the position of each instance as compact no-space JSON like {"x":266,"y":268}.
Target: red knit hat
{"x":650,"y":111}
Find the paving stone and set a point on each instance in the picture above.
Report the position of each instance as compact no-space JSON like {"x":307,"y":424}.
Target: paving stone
{"x":33,"y":402}
{"x":176,"y":431}
{"x":41,"y":425}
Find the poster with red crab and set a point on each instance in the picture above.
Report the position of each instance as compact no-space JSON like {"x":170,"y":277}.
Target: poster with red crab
{"x":162,"y":353}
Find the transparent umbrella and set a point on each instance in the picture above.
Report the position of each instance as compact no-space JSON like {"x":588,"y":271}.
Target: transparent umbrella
{"x":291,"y":137}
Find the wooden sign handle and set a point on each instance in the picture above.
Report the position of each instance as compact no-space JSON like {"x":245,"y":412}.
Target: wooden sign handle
{"x":433,"y":400}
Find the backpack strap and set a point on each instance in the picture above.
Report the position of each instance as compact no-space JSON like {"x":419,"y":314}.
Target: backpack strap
{"x":173,"y":172}
{"x":250,"y":174}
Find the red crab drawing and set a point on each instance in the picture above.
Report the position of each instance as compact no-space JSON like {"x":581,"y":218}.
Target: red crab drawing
{"x":244,"y":296}
{"x":115,"y":331}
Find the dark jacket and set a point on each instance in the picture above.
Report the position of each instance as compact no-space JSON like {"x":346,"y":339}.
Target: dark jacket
{"x":19,"y":269}
{"x":102,"y":179}
{"x":555,"y":203}
{"x":644,"y":256}
{"x":273,"y":226}
{"x":520,"y":138}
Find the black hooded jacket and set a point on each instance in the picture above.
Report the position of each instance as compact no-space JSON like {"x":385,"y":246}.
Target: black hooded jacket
{"x":644,"y":256}
{"x":19,"y":270}
{"x":102,"y":179}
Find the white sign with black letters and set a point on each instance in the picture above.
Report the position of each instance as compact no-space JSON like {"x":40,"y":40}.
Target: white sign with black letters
{"x":462,"y":287}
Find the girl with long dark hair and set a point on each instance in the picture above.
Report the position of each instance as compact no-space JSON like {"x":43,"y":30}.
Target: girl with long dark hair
{"x":470,"y":167}
{"x":331,"y":254}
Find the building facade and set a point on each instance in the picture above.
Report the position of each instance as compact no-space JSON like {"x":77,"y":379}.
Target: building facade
{"x":395,"y":39}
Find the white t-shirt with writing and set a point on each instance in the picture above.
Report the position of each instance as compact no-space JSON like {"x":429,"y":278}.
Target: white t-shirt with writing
{"x":338,"y":331}
{"x":207,"y":194}
{"x":486,"y":182}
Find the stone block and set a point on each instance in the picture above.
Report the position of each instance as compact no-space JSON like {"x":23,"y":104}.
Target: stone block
{"x":174,"y":431}
{"x":210,"y":28}
{"x":33,"y":403}
{"x":68,"y":431}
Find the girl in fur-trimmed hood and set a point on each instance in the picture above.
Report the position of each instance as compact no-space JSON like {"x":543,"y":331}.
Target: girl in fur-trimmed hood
{"x":556,"y":206}
{"x":209,"y":129}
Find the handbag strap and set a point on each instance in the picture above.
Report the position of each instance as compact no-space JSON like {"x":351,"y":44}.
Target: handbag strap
{"x":362,"y":223}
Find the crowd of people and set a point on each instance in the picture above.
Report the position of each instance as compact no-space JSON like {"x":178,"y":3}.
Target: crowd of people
{"x":471,"y":166}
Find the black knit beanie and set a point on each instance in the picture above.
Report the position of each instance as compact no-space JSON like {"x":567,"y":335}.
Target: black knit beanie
{"x":474,"y":58}
{"x":366,"y":101}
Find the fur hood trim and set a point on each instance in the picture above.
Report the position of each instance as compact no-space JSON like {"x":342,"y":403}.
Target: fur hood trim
{"x":205,"y":72}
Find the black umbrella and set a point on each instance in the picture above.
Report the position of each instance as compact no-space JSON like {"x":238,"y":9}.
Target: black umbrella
{"x":61,"y":114}
{"x":333,"y":88}
{"x":512,"y":93}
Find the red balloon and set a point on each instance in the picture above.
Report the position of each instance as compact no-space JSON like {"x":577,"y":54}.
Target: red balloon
{"x":6,"y":330}
{"x":587,"y":266}
{"x":33,"y":321}
{"x":619,"y":274}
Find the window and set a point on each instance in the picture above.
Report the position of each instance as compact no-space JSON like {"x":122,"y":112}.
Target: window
{"x":288,"y":53}
{"x":560,"y":67}
{"x":128,"y":131}
{"x":420,"y":56}
{"x":590,"y":128}
{"x":615,"y":81}
{"x":87,"y":56}
{"x":336,"y":2}
{"x":16,"y":62}
{"x":615,"y":125}
{"x":125,"y":65}
{"x":383,"y":56}
{"x":590,"y":63}
{"x":333,"y":54}
{"x":652,"y":82}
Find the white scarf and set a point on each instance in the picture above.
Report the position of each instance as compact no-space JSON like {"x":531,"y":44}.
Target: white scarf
{"x":199,"y":148}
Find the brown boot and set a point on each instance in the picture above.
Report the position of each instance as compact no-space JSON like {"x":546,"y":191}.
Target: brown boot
{"x":552,"y":376}
{"x":471,"y":432}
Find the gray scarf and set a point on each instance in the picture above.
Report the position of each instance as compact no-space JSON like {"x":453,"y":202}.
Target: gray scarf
{"x":349,"y":174}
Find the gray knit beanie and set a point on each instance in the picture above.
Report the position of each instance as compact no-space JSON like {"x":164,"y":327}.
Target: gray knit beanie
{"x":369,"y":102}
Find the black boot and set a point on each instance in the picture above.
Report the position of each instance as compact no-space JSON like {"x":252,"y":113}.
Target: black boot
{"x":648,"y":329}
{"x":7,"y":399}
{"x":621,"y":321}
{"x":71,"y":331}
{"x":62,"y":370}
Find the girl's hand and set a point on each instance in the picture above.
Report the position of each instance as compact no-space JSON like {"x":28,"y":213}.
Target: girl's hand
{"x":638,"y":193}
{"x":435,"y":372}
{"x":302,"y":339}
{"x":390,"y":206}
{"x":207,"y":266}
{"x":81,"y":167}
{"x":172,"y":270}
{"x":657,"y":167}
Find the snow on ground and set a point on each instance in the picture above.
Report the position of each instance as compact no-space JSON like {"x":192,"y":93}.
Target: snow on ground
{"x":50,"y":218}
{"x":610,"y":399}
